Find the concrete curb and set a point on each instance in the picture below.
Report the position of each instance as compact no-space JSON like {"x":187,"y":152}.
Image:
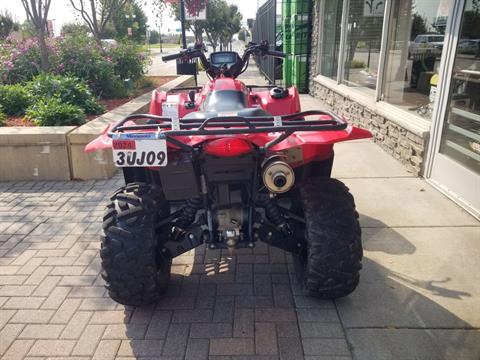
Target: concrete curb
{"x":34,"y":153}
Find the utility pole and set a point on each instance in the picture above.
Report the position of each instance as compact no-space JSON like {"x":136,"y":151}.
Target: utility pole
{"x":182,"y":20}
{"x":160,"y":40}
{"x":160,"y":34}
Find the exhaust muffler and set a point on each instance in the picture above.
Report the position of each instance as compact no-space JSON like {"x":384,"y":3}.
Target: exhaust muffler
{"x":278,"y":176}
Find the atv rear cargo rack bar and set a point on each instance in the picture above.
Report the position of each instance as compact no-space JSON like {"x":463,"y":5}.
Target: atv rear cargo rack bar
{"x":250,"y":87}
{"x":167,"y":128}
{"x":182,"y":89}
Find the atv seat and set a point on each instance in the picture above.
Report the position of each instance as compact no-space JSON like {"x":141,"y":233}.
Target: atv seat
{"x":232,"y":102}
{"x":245,"y":112}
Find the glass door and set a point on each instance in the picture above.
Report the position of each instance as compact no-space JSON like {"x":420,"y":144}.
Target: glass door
{"x":456,"y":162}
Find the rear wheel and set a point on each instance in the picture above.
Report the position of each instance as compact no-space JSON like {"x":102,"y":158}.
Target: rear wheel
{"x":330,"y":266}
{"x":134,"y":271}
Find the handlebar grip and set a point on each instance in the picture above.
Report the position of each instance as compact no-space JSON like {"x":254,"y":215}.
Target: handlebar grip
{"x":276,"y":53}
{"x":172,"y":56}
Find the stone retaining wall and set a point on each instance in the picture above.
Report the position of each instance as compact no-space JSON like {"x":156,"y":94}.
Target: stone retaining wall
{"x":407,"y":147}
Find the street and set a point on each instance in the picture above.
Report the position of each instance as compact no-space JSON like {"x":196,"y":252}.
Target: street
{"x":169,"y":68}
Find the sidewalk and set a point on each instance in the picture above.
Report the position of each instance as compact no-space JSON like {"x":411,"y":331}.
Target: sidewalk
{"x":419,"y":295}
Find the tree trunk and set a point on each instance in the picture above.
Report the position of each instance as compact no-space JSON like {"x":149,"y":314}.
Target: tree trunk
{"x":214,"y":43}
{"x":198,"y":34}
{"x":44,"y":64}
{"x":98,"y":40}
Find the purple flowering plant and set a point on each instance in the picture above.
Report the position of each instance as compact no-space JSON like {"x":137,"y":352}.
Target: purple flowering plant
{"x":76,"y":55}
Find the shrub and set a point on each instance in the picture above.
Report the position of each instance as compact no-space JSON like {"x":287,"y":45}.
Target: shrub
{"x":358,"y":64}
{"x":3,"y":117}
{"x":80,"y":56}
{"x":129,"y":62}
{"x":52,"y":112}
{"x":68,"y":89}
{"x":14,"y":99}
{"x":75,"y":55}
{"x":73,"y":28}
{"x":21,"y":63}
{"x":361,"y":45}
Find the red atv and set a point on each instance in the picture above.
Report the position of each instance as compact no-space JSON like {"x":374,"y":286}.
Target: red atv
{"x":228,"y":165}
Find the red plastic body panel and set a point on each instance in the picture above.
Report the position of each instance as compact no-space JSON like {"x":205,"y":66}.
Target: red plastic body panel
{"x":317,"y":145}
{"x":288,"y":105}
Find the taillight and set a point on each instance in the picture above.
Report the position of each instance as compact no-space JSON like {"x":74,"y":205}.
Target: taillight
{"x":227,"y":147}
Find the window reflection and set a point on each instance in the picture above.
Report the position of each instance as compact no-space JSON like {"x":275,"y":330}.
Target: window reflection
{"x":461,"y":133}
{"x":364,"y":35}
{"x":332,"y":20}
{"x":415,"y":46}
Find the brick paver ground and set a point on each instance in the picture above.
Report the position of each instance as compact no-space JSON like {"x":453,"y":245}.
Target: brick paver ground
{"x":242,"y":304}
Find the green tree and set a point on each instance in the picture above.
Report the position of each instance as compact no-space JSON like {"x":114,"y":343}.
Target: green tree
{"x":130,"y":16}
{"x":197,"y":27}
{"x":419,"y":26}
{"x":74,"y":29}
{"x":27,"y":30}
{"x":243,"y":34}
{"x":97,"y":14}
{"x":233,"y":24}
{"x":154,"y":37}
{"x":223,"y":21}
{"x":476,"y":5}
{"x":471,"y":25}
{"x":37,"y":15}
{"x":7,"y":24}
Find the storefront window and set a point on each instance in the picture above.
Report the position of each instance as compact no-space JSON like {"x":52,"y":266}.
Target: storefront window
{"x":332,"y":20}
{"x":461,"y":133}
{"x":415,"y":47}
{"x":362,"y":48}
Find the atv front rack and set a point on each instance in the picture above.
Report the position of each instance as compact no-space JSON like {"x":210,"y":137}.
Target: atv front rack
{"x":167,"y":128}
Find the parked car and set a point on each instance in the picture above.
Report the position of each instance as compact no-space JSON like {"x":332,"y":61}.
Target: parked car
{"x":469,"y":46}
{"x":427,"y":44}
{"x":193,"y":45}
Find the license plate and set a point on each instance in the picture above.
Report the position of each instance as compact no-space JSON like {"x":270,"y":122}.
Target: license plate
{"x":140,"y":153}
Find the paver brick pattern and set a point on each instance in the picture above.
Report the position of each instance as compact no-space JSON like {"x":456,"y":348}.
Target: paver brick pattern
{"x":239,"y":304}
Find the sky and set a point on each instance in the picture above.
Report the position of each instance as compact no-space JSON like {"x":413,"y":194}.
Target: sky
{"x":62,"y":12}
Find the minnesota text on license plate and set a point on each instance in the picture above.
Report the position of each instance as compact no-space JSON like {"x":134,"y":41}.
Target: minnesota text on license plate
{"x":136,"y":153}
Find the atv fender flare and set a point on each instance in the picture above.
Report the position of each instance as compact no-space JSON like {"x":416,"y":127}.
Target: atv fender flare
{"x":100,"y":143}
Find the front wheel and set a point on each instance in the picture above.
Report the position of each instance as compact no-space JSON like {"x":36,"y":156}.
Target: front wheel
{"x":134,"y":271}
{"x":330,"y":266}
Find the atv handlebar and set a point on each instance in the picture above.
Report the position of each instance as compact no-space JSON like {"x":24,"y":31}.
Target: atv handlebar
{"x":275,"y":53}
{"x":261,"y":49}
{"x":172,"y":56}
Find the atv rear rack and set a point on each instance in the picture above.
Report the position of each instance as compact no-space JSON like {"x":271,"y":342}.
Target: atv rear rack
{"x":167,"y":128}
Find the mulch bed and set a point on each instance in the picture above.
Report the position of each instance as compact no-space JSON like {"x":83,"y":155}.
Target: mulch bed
{"x":109,"y":104}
